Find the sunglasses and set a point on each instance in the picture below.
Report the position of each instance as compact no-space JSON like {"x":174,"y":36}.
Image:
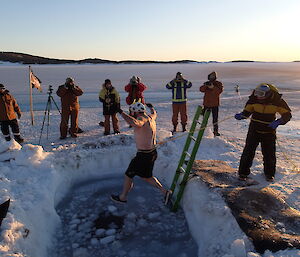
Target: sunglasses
{"x":259,"y":93}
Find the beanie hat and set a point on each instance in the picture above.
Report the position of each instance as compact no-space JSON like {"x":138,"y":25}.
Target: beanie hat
{"x":212,"y":76}
{"x":69,"y":80}
{"x":107,"y":81}
{"x":2,"y":87}
{"x":133,"y":80}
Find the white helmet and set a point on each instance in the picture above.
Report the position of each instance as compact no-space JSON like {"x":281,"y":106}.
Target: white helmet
{"x":137,"y":107}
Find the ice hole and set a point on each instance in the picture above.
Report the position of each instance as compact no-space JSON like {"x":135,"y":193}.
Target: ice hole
{"x":93,"y":225}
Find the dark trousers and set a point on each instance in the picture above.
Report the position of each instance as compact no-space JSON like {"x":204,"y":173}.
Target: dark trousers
{"x":10,"y":123}
{"x":115,"y":123}
{"x":215,"y":115}
{"x":268,"y":148}
{"x":65,"y":121}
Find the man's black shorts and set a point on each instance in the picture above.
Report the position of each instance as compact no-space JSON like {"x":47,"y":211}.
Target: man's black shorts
{"x":142,"y":164}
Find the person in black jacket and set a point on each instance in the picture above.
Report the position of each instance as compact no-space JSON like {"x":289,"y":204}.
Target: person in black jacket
{"x":110,"y":98}
{"x":263,"y":104}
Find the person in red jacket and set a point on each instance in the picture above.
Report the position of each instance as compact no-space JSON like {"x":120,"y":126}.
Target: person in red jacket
{"x":212,"y":90}
{"x":135,"y":91}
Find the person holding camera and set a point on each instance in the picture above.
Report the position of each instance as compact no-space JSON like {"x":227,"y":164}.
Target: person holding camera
{"x":212,"y":90}
{"x":179,"y":85}
{"x":8,"y":118}
{"x":145,"y":138}
{"x":69,"y":93}
{"x":135,"y":90}
{"x":110,"y":98}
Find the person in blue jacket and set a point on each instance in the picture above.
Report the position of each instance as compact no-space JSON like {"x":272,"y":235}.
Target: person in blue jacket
{"x":179,"y":85}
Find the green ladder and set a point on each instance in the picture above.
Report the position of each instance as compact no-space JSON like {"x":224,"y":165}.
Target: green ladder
{"x":187,"y":159}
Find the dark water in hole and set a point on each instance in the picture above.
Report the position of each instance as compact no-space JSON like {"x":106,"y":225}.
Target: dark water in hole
{"x":93,"y":225}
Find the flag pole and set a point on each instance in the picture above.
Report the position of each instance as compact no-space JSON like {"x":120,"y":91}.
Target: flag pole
{"x":30,"y":98}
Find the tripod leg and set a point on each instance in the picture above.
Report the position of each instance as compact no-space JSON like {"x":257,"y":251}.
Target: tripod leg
{"x":48,"y":121}
{"x":46,"y":109}
{"x":55,"y":105}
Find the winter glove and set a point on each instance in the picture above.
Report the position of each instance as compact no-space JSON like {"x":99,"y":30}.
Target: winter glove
{"x":119,"y":110}
{"x":274,"y":124}
{"x":19,"y":115}
{"x":240,"y":116}
{"x":149,"y":105}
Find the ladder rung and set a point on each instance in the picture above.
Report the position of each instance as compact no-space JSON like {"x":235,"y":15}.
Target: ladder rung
{"x":182,"y":169}
{"x":187,"y":153}
{"x":193,"y":138}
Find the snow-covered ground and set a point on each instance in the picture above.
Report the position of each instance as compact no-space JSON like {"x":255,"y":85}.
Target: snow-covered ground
{"x":48,"y":182}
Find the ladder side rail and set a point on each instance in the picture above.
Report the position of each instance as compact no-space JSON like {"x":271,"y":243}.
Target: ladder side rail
{"x":190,"y":164}
{"x":186,"y":147}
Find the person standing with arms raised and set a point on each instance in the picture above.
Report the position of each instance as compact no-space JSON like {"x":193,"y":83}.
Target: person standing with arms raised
{"x":135,"y":90}
{"x":110,"y":98}
{"x":145,"y":138}
{"x":179,"y":85}
{"x":69,"y":93}
{"x":212,"y":90}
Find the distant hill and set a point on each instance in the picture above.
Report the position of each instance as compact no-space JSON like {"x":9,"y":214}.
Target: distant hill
{"x":32,"y":59}
{"x":242,"y":61}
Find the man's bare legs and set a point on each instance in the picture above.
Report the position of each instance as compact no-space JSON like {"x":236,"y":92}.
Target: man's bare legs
{"x":155,"y":182}
{"x":127,"y":186}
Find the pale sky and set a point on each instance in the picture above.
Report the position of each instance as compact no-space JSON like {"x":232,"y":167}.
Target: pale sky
{"x":201,"y":30}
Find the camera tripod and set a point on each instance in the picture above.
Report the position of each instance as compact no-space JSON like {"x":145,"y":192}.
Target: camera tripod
{"x":47,"y":111}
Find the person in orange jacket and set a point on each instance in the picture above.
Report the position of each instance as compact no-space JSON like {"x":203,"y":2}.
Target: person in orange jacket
{"x":8,"y":118}
{"x":69,"y":93}
{"x":212,"y":90}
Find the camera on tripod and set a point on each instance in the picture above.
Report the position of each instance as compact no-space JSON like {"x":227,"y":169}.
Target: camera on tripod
{"x":47,"y":111}
{"x":50,"y":90}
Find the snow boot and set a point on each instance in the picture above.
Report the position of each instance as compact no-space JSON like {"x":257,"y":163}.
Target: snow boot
{"x":8,"y":138}
{"x":19,"y":139}
{"x":243,"y":177}
{"x":74,"y":135}
{"x":174,"y":129}
{"x":217,"y":134}
{"x":79,"y":130}
{"x":183,"y":127}
{"x":270,"y":178}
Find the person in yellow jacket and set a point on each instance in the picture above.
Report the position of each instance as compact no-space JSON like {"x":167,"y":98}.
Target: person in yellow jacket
{"x":110,"y":98}
{"x":263,"y":105}
{"x":8,"y":118}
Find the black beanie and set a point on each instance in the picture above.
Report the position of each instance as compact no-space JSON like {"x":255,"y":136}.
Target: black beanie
{"x":107,"y":81}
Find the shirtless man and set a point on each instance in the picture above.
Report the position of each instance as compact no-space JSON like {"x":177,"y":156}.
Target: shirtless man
{"x":145,"y":137}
